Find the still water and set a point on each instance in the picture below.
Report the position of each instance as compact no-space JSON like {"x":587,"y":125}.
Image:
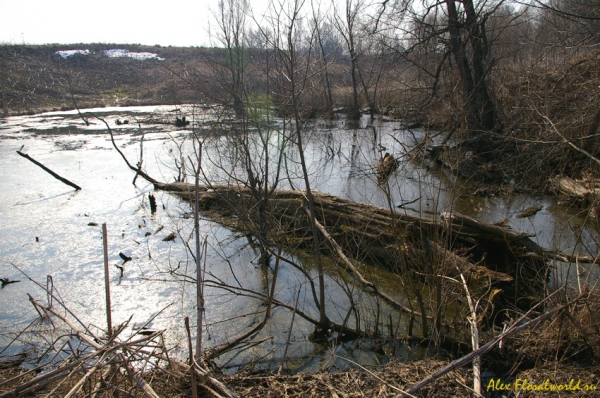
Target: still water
{"x":46,"y":228}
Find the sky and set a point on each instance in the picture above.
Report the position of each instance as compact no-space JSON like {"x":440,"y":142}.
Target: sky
{"x":173,"y":22}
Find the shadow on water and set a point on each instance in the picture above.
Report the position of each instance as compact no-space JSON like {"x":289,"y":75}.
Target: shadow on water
{"x":69,"y":194}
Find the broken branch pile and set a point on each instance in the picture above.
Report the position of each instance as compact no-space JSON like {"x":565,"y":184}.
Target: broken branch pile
{"x":81,"y":362}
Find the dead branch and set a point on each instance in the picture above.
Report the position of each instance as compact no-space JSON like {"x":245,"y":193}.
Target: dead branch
{"x":222,"y":387}
{"x":53,"y":174}
{"x":474,"y":337}
{"x":45,"y":379}
{"x":517,"y":326}
{"x":137,"y":170}
{"x":93,"y":342}
{"x":99,"y":363}
{"x":566,"y":141}
{"x":216,"y":351}
{"x":360,"y":277}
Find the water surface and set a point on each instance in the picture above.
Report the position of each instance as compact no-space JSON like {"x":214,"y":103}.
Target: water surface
{"x":46,"y":228}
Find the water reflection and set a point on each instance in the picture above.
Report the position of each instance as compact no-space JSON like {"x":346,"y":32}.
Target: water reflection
{"x":341,"y":161}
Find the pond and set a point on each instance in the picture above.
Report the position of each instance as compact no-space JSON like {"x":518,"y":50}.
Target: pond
{"x":46,"y":228}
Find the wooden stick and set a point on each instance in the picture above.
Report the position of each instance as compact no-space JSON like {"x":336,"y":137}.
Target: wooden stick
{"x":107,"y":280}
{"x":474,"y":337}
{"x":191,"y":354}
{"x":51,"y":297}
{"x":53,"y":174}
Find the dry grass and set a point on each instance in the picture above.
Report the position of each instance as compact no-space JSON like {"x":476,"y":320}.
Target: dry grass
{"x":571,"y":337}
{"x":383,"y":381}
{"x":550,"y":351}
{"x":174,"y":382}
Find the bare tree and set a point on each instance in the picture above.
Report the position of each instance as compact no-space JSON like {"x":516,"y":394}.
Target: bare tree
{"x":323,"y":34}
{"x":230,"y":33}
{"x":285,"y":22}
{"x":346,"y":23}
{"x":458,"y":29}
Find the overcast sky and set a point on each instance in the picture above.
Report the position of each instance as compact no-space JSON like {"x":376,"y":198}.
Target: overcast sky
{"x":172,"y":22}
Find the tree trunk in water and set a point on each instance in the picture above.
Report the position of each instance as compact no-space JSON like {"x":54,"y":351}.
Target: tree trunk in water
{"x":354,"y":109}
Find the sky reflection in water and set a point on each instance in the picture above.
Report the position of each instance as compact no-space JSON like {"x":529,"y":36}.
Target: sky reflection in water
{"x":35,"y":205}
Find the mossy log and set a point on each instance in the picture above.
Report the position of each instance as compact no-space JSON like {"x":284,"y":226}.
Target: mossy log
{"x":400,"y":243}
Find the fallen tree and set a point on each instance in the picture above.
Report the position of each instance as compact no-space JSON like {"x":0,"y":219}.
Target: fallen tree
{"x":397,"y":242}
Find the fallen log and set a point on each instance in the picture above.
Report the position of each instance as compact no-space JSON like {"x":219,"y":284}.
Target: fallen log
{"x":394,"y":303}
{"x":340,"y":214}
{"x":53,"y":174}
{"x":400,"y":243}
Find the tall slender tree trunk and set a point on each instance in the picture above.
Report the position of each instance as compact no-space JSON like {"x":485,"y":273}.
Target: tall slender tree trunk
{"x":328,"y":94}
{"x":294,"y":93}
{"x":487,"y":115}
{"x":354,"y":111}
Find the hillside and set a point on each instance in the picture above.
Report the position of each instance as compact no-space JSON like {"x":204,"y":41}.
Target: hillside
{"x":37,"y":78}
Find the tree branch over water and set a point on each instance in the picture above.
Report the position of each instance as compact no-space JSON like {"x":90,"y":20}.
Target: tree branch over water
{"x":138,"y":170}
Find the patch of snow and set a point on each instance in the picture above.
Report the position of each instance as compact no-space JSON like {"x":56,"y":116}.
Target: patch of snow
{"x":68,"y":53}
{"x":122,"y":53}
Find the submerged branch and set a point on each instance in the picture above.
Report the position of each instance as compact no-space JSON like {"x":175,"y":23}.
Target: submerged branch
{"x":361,"y":278}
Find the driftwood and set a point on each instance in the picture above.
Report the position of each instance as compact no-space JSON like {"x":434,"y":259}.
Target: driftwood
{"x":580,"y":190}
{"x":583,"y":193}
{"x":530,"y":211}
{"x":6,"y":281}
{"x":53,"y":174}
